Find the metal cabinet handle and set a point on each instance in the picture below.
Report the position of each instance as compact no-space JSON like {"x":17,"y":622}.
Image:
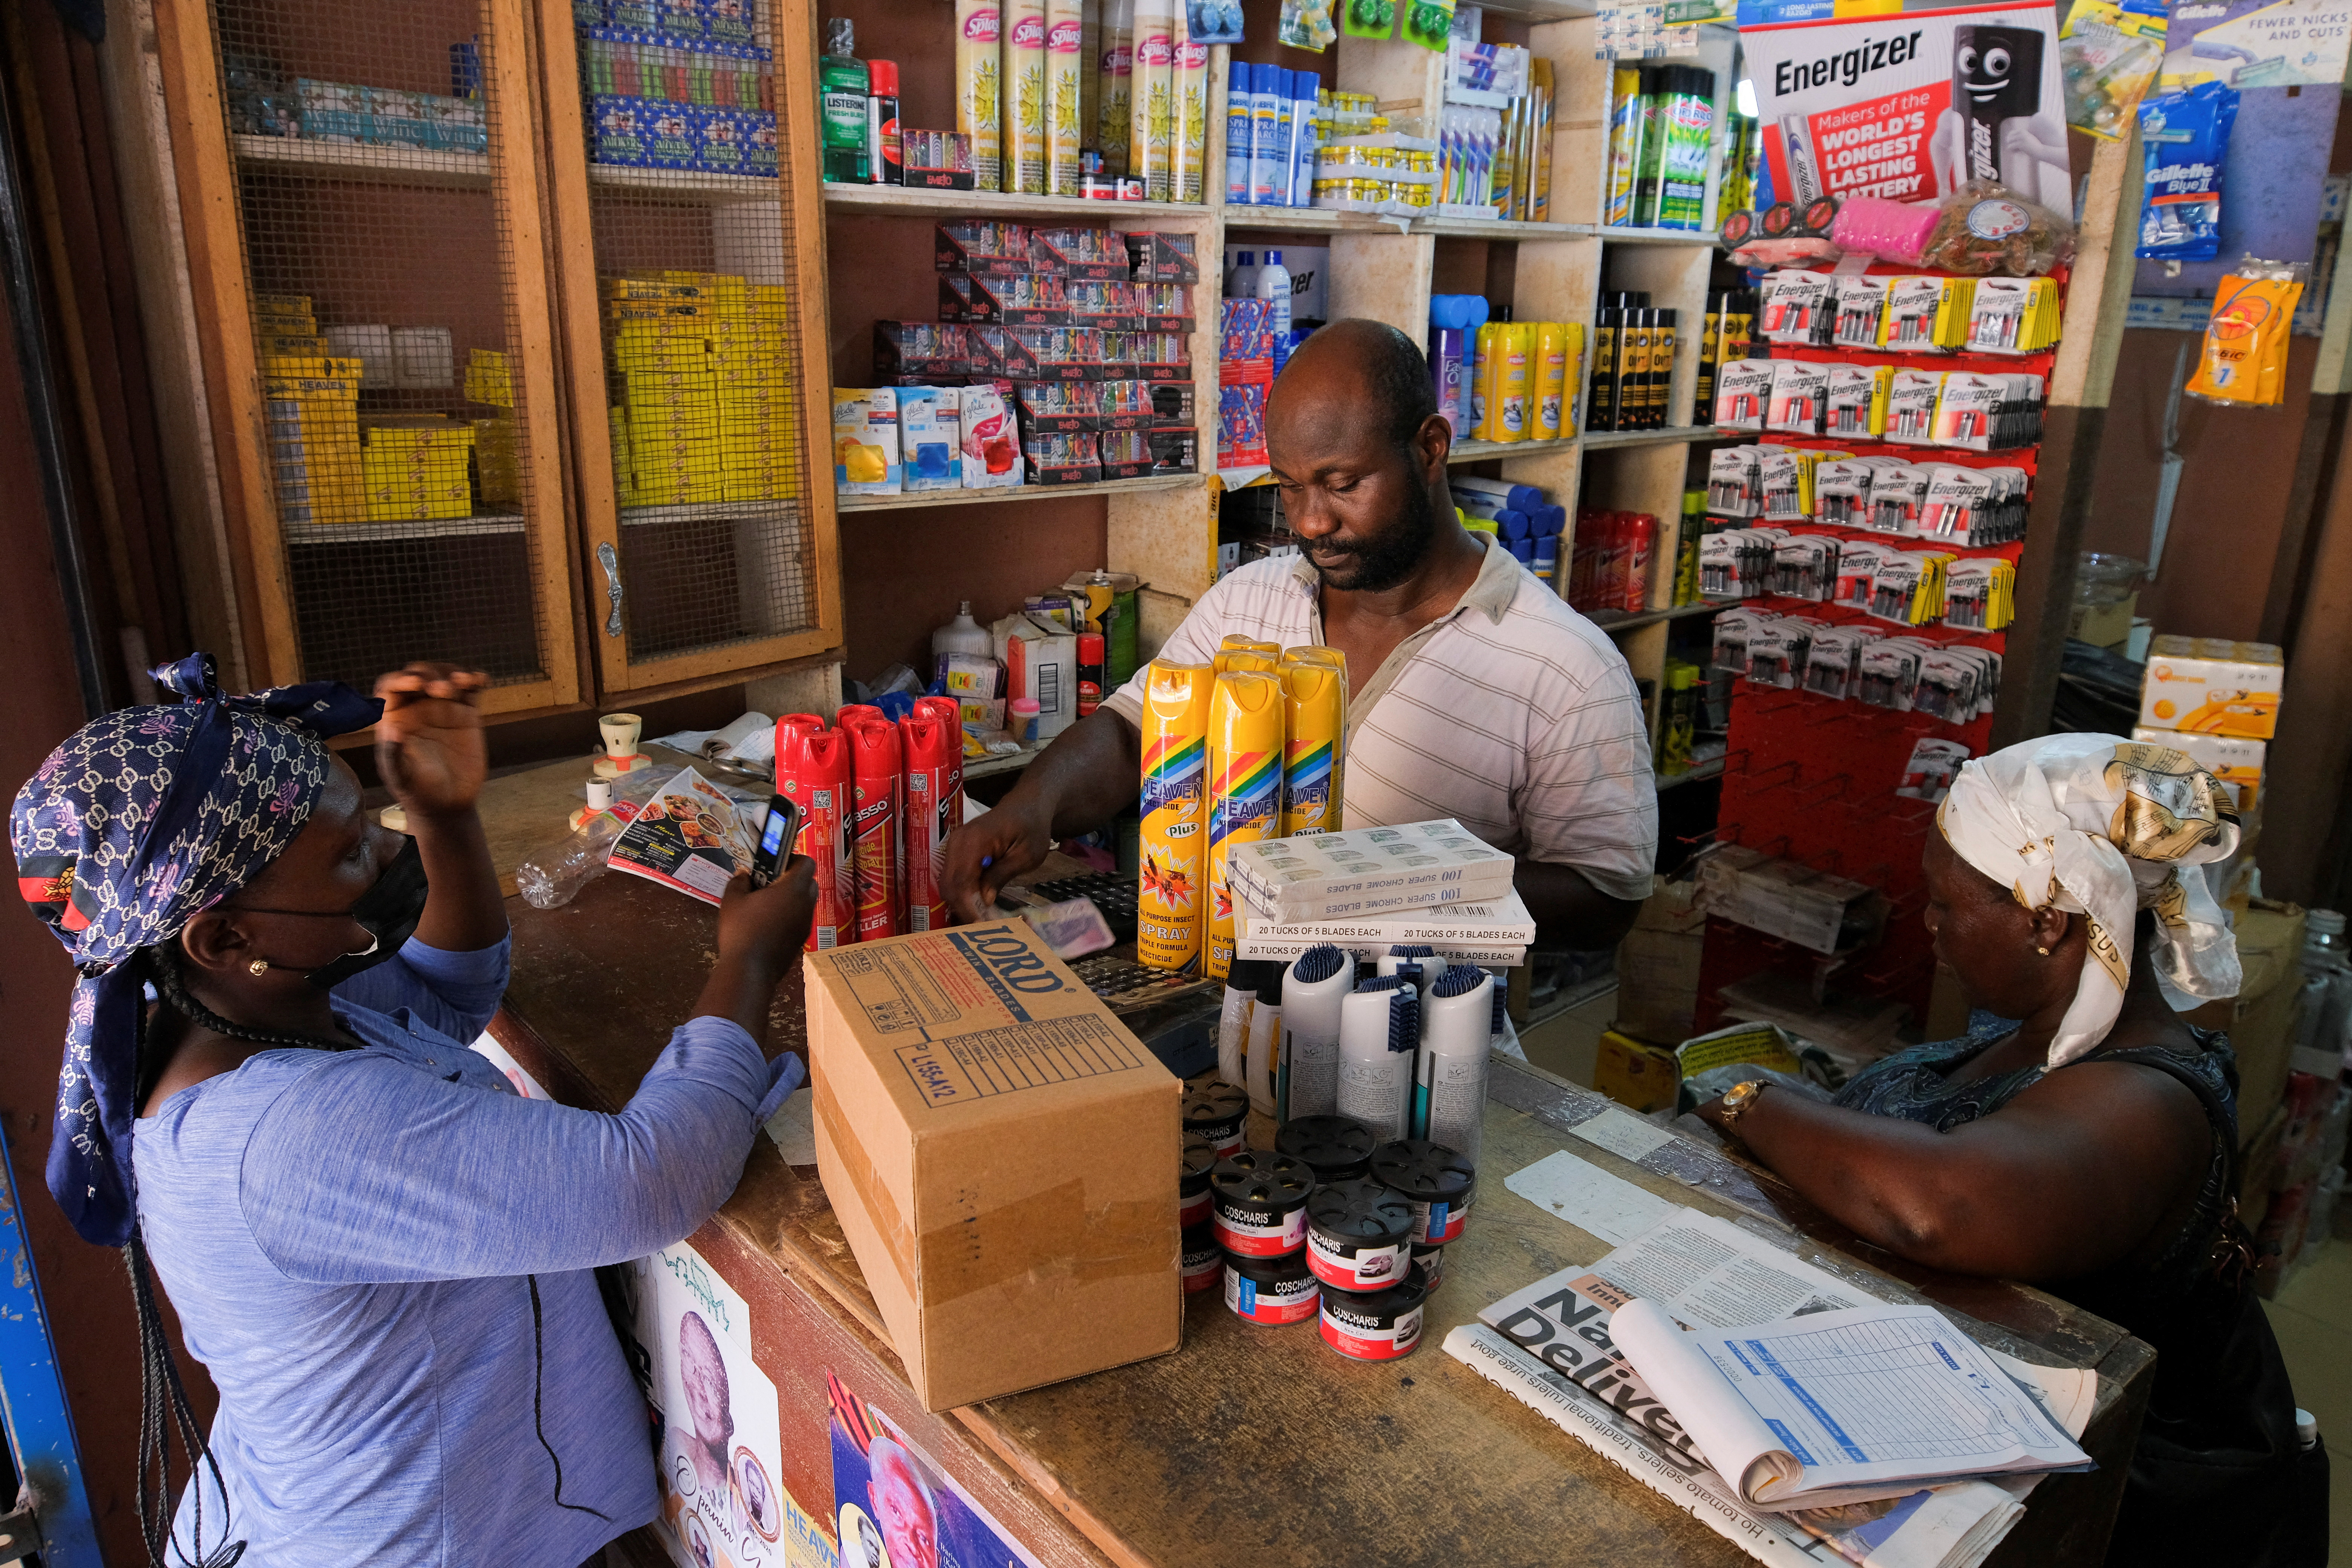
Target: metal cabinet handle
{"x":610,"y":561}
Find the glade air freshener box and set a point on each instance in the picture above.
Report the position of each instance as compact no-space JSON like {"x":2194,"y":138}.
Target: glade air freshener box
{"x":866,"y":440}
{"x":930,"y":438}
{"x":978,"y":1115}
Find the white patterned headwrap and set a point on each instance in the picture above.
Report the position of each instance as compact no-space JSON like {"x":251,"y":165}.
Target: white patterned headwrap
{"x":2103,"y":827}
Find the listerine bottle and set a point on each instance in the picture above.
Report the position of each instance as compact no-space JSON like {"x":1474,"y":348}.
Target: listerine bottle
{"x":842,"y":89}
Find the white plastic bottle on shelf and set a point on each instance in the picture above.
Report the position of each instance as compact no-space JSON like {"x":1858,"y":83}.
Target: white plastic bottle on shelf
{"x":1241,"y":283}
{"x":2327,"y":981}
{"x":1273,"y":287}
{"x":963,"y":635}
{"x":554,"y":874}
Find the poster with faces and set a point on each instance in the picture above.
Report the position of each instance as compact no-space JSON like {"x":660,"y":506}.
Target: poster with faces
{"x":893,"y":1507}
{"x":722,"y":1503}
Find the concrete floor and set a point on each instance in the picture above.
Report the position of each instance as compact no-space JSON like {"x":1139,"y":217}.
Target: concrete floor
{"x":2313,"y":1320}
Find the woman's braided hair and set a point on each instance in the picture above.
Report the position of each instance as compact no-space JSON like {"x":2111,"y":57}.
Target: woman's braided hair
{"x":172,"y":985}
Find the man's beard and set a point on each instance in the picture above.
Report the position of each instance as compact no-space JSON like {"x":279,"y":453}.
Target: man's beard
{"x":1375,"y":566}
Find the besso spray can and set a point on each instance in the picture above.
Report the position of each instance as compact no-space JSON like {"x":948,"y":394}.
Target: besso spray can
{"x":812,"y":772}
{"x":932,"y":752}
{"x":873,"y":827}
{"x":1174,"y":836}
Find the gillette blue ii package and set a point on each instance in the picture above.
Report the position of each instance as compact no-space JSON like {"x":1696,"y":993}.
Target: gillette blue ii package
{"x":2185,"y":139}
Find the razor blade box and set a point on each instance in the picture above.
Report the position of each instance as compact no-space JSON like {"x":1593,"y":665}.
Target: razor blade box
{"x":977,"y":1114}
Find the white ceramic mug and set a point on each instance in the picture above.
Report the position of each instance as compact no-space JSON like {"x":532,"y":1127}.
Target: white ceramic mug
{"x":621,"y":732}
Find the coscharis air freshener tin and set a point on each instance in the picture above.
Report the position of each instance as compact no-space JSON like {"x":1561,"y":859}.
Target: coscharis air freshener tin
{"x":1338,"y":1148}
{"x":1380,"y":1325}
{"x":1193,"y":1165}
{"x":1214,"y":1112}
{"x":1439,"y":1183}
{"x":1270,"y":1290}
{"x":1431,"y":1261}
{"x":1356,"y":1234}
{"x":1258,"y":1204}
{"x":1204,"y":1261}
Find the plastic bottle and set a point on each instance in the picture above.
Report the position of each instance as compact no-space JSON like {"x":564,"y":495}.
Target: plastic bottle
{"x":963,"y":635}
{"x":553,"y":875}
{"x":1237,"y":134}
{"x":1241,"y":283}
{"x":842,"y":88}
{"x":883,"y":167}
{"x":1306,"y":137}
{"x":1273,"y":286}
{"x":2327,"y":980}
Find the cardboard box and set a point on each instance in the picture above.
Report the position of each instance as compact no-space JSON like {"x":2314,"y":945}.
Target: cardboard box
{"x":1789,"y":900}
{"x":986,"y":1133}
{"x":1635,"y":1073}
{"x":2211,"y":685}
{"x":2236,"y":762}
{"x":2260,"y":1019}
{"x":1657,"y":964}
{"x":1040,"y":661}
{"x":2104,"y":626}
{"x":1369,"y":871}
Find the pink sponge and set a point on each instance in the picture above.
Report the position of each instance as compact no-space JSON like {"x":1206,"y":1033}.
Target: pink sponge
{"x":1894,"y":231}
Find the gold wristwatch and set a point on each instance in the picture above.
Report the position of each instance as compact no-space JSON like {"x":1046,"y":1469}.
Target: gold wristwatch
{"x":1738,"y":1098}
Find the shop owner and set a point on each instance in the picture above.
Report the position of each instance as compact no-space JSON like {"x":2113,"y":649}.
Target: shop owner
{"x":1475,"y":692}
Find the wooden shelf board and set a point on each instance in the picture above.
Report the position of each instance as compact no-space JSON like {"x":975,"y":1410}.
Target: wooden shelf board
{"x":1500,"y":228}
{"x":378,"y":533}
{"x":986,"y":767}
{"x":1487,"y":451}
{"x":839,"y":197}
{"x":698,"y":511}
{"x":365,"y":162}
{"x":1602,"y":440}
{"x":1011,"y":492}
{"x":685,"y":185}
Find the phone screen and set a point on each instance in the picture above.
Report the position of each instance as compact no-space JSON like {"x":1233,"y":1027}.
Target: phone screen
{"x":771,"y":836}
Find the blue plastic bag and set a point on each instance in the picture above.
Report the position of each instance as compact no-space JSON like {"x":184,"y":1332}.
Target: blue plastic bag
{"x":2185,"y":139}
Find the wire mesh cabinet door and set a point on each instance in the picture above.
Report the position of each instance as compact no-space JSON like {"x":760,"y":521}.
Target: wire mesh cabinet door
{"x":691,"y":244}
{"x":367,"y":245}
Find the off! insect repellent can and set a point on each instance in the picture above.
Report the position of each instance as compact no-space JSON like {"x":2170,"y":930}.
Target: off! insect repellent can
{"x":1315,"y":716}
{"x":813,"y":772}
{"x":1174,"y":839}
{"x":1245,"y":791}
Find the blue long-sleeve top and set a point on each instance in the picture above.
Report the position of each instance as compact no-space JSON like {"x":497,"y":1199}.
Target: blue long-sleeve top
{"x":349,"y":1236}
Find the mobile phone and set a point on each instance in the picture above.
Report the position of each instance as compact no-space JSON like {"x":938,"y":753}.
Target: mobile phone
{"x":776,"y":835}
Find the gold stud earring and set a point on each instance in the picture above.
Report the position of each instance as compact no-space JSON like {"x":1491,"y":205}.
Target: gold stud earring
{"x":2042,"y":951}
{"x":261,"y":966}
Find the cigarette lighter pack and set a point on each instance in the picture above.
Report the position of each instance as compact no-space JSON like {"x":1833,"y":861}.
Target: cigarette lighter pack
{"x":971,"y":1061}
{"x":1066,"y":459}
{"x":984,"y":248}
{"x":1058,"y":407}
{"x":936,"y":159}
{"x":1368,"y":870}
{"x":1157,"y":258}
{"x":865,"y":441}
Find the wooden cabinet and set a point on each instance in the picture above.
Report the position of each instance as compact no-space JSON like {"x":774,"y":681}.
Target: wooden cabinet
{"x":409,"y":191}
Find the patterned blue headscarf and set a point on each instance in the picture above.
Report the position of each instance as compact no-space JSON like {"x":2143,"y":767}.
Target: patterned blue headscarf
{"x":142,"y":820}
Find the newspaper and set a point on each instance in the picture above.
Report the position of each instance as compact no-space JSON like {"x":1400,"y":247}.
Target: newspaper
{"x":1549,"y":1346}
{"x":687,"y":836}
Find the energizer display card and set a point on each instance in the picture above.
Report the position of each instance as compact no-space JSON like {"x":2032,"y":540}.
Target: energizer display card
{"x":1908,"y":105}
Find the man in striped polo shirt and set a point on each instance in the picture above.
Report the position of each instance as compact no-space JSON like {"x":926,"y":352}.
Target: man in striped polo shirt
{"x":1475,"y":692}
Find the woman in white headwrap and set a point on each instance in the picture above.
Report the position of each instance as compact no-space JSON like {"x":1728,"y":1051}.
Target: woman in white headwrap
{"x":2080,"y":1136}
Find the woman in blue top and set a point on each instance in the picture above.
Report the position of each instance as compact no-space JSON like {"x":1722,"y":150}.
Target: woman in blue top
{"x":382,"y":1253}
{"x":2081,"y":1136}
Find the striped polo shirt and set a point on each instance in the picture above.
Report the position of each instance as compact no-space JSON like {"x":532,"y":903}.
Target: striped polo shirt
{"x":1510,"y":713}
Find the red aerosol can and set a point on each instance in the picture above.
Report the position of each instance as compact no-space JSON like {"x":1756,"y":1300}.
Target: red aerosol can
{"x":950,"y":712}
{"x":875,"y":764}
{"x":933,"y":750}
{"x":813,"y":771}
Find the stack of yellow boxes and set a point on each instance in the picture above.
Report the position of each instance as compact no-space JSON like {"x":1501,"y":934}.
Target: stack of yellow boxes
{"x":311,"y":403}
{"x":700,"y":362}
{"x":416,"y":468}
{"x":285,"y":328}
{"x":489,"y":380}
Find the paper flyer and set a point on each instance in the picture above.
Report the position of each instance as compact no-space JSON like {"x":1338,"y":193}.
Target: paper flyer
{"x":1908,"y":104}
{"x":893,"y":1507}
{"x":722,"y":1504}
{"x":686,"y":837}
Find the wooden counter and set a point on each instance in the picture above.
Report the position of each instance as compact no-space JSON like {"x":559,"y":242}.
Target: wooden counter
{"x":1249,"y":1445}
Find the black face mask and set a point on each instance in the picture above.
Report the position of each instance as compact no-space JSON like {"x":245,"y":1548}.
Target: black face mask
{"x":388,"y":912}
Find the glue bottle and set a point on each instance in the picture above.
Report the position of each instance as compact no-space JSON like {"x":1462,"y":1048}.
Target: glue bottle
{"x":1313,"y":993}
{"x":1241,"y":283}
{"x":1450,"y":1073}
{"x":1233,"y":1022}
{"x":1379,"y":1035}
{"x":961,"y":636}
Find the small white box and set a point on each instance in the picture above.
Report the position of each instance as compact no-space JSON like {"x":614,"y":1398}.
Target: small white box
{"x":371,"y":346}
{"x":865,"y":441}
{"x":423,"y":359}
{"x":1041,"y":661}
